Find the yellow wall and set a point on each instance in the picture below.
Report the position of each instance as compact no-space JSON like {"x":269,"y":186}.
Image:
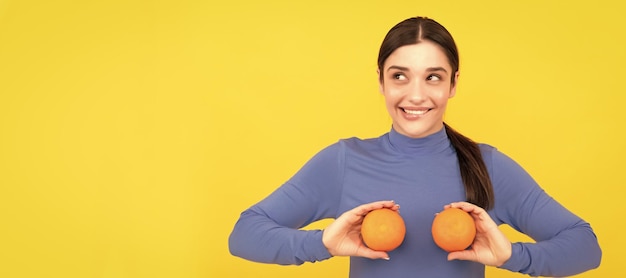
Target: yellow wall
{"x":133,"y":133}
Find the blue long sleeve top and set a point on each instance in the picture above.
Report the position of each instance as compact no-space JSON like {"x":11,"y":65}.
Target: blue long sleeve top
{"x":422,"y":176}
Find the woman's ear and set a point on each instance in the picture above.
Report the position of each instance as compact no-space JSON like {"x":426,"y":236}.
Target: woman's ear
{"x":456,"y":82}
{"x":380,"y":81}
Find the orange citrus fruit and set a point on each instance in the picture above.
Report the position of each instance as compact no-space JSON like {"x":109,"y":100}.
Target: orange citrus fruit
{"x":383,"y":229}
{"x":453,"y":229}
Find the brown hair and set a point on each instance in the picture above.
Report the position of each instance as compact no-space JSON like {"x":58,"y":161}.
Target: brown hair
{"x":478,"y":187}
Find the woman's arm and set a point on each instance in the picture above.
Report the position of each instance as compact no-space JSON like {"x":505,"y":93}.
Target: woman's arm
{"x":565,"y":244}
{"x":269,"y":232}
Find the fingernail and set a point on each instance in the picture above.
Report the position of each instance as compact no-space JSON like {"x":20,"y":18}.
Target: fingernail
{"x":386,"y":259}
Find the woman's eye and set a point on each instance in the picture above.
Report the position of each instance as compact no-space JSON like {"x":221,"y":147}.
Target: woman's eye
{"x":399,"y":76}
{"x":433,"y":77}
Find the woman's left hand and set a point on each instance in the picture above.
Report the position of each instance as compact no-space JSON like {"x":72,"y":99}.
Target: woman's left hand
{"x":490,"y":247}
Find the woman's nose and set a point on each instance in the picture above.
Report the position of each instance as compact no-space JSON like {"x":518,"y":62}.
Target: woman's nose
{"x":416,"y":91}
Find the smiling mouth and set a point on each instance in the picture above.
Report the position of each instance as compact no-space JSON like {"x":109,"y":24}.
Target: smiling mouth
{"x":416,"y":112}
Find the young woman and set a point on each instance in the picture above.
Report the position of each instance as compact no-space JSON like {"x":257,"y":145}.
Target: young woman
{"x":424,"y":165}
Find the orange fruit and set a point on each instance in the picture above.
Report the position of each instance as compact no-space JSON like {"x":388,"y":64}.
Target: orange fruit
{"x":453,"y":229}
{"x":383,"y":229}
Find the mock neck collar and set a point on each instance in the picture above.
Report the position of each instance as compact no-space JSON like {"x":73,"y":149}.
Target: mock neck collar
{"x":434,"y":143}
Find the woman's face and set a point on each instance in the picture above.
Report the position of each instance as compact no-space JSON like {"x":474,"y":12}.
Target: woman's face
{"x":416,"y":85}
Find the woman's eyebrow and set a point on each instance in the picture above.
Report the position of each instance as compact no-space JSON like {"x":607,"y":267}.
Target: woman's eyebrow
{"x":397,"y":68}
{"x":436,"y":69}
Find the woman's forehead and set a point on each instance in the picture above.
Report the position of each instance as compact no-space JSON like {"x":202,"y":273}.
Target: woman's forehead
{"x":418,"y":56}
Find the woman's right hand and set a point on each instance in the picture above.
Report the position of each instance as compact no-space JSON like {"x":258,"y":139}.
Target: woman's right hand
{"x":343,"y":236}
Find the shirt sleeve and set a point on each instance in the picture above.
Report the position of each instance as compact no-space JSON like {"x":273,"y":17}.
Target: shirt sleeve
{"x":269,"y":232}
{"x":564,"y":243}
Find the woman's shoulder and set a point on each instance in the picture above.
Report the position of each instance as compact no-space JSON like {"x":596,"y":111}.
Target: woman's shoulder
{"x":352,"y":145}
{"x":493,"y":156}
{"x":355,"y":143}
{"x":487,"y":150}
{"x":500,"y":164}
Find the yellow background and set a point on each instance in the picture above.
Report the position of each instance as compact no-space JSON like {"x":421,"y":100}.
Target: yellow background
{"x":133,"y":133}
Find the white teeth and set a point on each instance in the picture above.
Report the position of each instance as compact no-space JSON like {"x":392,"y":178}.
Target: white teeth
{"x":415,"y":112}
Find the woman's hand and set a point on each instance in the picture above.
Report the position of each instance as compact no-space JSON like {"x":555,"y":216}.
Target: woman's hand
{"x":343,"y":236}
{"x":490,"y":247}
